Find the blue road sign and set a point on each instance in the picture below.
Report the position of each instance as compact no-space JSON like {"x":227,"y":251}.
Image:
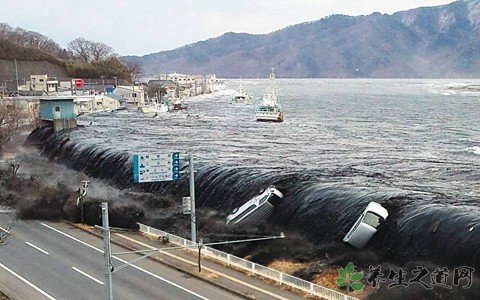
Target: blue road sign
{"x":154,"y":167}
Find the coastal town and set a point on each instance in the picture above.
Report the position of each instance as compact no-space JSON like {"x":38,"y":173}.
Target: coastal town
{"x":107,"y":94}
{"x":309,"y":150}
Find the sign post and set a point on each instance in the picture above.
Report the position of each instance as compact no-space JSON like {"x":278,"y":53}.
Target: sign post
{"x":154,"y":167}
{"x":191,"y":177}
{"x":106,"y":252}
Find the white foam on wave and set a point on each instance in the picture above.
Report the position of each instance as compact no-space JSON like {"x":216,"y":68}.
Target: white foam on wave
{"x":474,"y":150}
{"x":6,"y":210}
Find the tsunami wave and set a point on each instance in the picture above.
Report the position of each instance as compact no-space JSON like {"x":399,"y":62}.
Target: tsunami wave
{"x":420,"y":225}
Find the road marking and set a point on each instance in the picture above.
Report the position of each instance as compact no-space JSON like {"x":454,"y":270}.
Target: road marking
{"x":38,"y":248}
{"x":124,"y":261}
{"x":89,"y":276}
{"x":206,"y":268}
{"x":135,"y":241}
{"x":27,"y":282}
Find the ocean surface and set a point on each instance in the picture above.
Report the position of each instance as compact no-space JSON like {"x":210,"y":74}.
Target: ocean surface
{"x":412,"y":145}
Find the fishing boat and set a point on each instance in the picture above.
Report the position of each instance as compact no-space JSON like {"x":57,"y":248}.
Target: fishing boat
{"x":241,"y":96}
{"x":178,"y":104}
{"x":270,"y":110}
{"x":153,"y":108}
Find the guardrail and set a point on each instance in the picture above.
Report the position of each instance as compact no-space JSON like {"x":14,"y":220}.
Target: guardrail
{"x":252,"y":267}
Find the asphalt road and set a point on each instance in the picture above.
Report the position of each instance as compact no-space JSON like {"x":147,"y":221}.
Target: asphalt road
{"x":48,"y":260}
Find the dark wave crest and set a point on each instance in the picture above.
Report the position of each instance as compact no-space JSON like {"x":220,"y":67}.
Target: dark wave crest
{"x":419,"y":226}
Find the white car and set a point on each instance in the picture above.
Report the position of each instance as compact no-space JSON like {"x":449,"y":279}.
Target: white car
{"x":257,"y":209}
{"x":366,"y":225}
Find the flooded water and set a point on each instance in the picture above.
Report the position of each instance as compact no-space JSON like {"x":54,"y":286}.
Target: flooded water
{"x":412,"y":145}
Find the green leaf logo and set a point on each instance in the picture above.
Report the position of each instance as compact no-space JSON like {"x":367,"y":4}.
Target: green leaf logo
{"x":348,"y":278}
{"x":341,"y":282}
{"x":349,"y":268}
{"x":357,"y":286}
{"x":342,"y":273}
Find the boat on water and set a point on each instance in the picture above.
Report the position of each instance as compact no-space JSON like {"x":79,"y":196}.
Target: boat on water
{"x":257,"y":209}
{"x":153,"y":108}
{"x":178,"y":104}
{"x":241,"y":96}
{"x":270,"y":110}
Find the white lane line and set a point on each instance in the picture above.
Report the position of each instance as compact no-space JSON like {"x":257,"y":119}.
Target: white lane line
{"x":4,"y":230}
{"x":38,"y":248}
{"x":27,"y":282}
{"x":89,"y":276}
{"x":206,"y":268}
{"x":124,"y":261}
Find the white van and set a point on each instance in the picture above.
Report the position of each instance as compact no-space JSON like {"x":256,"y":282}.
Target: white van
{"x":256,"y":209}
{"x":366,"y":225}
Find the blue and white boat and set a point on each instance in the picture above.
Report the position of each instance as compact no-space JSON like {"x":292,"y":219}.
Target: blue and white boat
{"x":270,"y":110}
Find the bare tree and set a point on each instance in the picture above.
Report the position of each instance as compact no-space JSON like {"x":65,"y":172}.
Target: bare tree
{"x":34,"y":114}
{"x":100,"y":51}
{"x":11,"y":115}
{"x":18,"y":36}
{"x":156,"y":90}
{"x":26,"y":38}
{"x":134,"y":68}
{"x":81,"y":48}
{"x":40,"y":41}
{"x":5,"y":30}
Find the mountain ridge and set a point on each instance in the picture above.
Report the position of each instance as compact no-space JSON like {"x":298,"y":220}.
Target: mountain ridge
{"x":434,"y":42}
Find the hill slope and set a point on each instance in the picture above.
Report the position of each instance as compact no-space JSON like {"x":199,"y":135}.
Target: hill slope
{"x":29,"y":61}
{"x":38,"y":54}
{"x":441,"y":41}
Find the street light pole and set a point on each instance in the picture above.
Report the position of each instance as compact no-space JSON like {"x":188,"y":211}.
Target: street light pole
{"x":106,"y":252}
{"x":80,"y":200}
{"x":193,"y":221}
{"x":133,"y":91}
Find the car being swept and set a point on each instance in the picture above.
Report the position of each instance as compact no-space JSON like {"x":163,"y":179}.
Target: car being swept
{"x":366,"y":225}
{"x":257,"y":209}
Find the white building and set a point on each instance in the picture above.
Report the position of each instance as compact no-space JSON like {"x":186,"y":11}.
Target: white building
{"x":38,"y":82}
{"x":179,"y":78}
{"x":95,"y":103}
{"x":134,"y":95}
{"x":43,"y":83}
{"x":52,"y":85}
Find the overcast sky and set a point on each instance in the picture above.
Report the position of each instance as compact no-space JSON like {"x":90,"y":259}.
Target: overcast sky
{"x":139,"y":27}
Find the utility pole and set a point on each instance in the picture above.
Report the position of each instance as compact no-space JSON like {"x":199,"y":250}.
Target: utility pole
{"x":200,"y":246}
{"x":80,"y":200}
{"x":193,"y":220}
{"x":106,"y":252}
{"x":133,"y":92}
{"x":16,"y":75}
